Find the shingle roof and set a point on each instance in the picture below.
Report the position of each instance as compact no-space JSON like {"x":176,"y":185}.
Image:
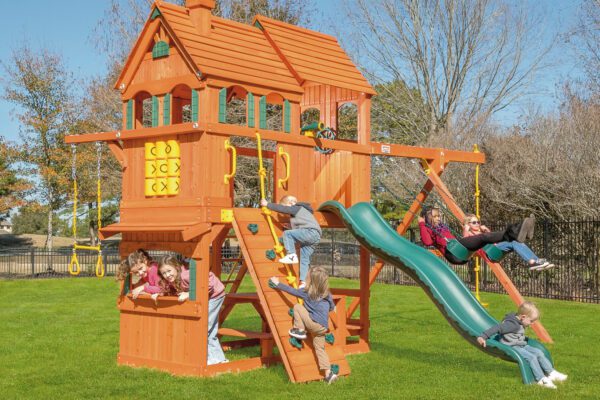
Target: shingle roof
{"x":314,"y":56}
{"x":279,"y":56}
{"x":232,"y":50}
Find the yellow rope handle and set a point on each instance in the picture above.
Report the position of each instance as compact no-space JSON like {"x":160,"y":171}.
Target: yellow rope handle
{"x":286,"y":157}
{"x":228,"y":146}
{"x":277,"y":247}
{"x":74,"y":268}
{"x":100,"y":265}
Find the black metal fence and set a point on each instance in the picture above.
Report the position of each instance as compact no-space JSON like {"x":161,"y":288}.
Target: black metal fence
{"x":573,"y":246}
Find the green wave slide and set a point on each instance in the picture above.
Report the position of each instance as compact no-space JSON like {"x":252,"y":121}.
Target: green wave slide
{"x":454,"y":300}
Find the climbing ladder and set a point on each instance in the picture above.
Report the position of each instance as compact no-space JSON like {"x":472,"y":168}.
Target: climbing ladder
{"x":300,"y":364}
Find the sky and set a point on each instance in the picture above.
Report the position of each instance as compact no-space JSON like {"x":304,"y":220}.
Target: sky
{"x":66,"y":26}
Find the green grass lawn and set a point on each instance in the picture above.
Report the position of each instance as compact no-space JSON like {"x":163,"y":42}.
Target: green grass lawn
{"x":59,"y":340}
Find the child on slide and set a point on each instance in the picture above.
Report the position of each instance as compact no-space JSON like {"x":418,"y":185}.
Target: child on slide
{"x":434,"y":233}
{"x":512,"y":333}
{"x":474,"y":227}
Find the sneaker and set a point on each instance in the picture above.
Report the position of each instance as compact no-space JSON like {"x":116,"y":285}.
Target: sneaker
{"x":550,"y":265}
{"x":297,"y":333}
{"x":556,"y":376}
{"x":302,"y":285}
{"x":539,"y":265}
{"x":547,"y":383}
{"x":289,"y":259}
{"x":329,"y":379}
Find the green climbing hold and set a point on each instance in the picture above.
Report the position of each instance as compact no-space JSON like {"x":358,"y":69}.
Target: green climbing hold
{"x":270,"y":254}
{"x":335,"y":369}
{"x":329,"y":338}
{"x":291,"y":312}
{"x":253,"y":228}
{"x":281,"y":240}
{"x":296,"y":343}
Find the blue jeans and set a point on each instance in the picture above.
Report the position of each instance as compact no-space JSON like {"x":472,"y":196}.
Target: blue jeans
{"x":307,"y":238}
{"x":215,"y":352}
{"x":520,"y":248}
{"x":540,"y":365}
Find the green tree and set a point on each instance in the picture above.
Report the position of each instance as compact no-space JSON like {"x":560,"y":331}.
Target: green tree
{"x":39,"y":86}
{"x":32,"y":218}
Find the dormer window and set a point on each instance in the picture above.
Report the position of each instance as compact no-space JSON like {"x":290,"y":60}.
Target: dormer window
{"x":161,"y":44}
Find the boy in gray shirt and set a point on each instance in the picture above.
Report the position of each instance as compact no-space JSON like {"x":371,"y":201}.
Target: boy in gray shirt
{"x":305,"y":231}
{"x":512,"y":333}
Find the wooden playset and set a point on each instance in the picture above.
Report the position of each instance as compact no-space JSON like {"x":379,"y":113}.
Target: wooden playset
{"x":178,"y":85}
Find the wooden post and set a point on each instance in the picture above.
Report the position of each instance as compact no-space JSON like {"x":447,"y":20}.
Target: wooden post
{"x":202,"y":258}
{"x":365,"y":293}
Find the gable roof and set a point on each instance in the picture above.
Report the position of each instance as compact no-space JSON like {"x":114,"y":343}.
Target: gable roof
{"x":232,"y":51}
{"x":272,"y":54}
{"x":314,"y":56}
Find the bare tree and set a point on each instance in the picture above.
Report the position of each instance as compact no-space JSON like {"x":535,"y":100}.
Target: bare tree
{"x":550,"y":165}
{"x":588,"y":31}
{"x":467,"y":57}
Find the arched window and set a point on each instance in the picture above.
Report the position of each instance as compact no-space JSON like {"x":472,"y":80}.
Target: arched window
{"x":309,"y":116}
{"x":233,"y":106}
{"x":347,"y":122}
{"x":143,"y":110}
{"x":181,"y":104}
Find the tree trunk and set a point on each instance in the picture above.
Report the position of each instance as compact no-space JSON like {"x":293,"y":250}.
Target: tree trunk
{"x":49,"y":235}
{"x":49,"y":268}
{"x":92,"y":225}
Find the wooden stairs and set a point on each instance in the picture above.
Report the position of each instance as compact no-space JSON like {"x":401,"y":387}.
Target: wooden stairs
{"x":300,"y":364}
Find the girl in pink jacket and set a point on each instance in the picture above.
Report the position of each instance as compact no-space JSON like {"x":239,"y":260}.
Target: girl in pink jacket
{"x":140,"y":264}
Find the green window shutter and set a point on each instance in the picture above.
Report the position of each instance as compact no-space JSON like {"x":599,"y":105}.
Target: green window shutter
{"x":286,"y":116}
{"x":250,"y":100}
{"x":129,"y":120}
{"x":154,"y":111}
{"x":194,"y":105}
{"x":262,"y":106}
{"x":160,"y":49}
{"x":192,"y":266}
{"x":126,"y":284}
{"x":223,"y":105}
{"x":167,"y":109}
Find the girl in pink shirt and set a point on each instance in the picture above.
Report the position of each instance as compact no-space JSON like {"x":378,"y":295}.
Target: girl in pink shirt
{"x":176,"y":281}
{"x":141,"y":264}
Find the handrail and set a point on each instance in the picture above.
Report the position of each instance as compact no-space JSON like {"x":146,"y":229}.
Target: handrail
{"x":228,"y":146}
{"x":286,"y":157}
{"x":277,"y":247}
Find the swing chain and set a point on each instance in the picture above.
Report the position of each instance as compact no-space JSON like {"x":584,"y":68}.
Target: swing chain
{"x":74,"y":162}
{"x":99,"y":158}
